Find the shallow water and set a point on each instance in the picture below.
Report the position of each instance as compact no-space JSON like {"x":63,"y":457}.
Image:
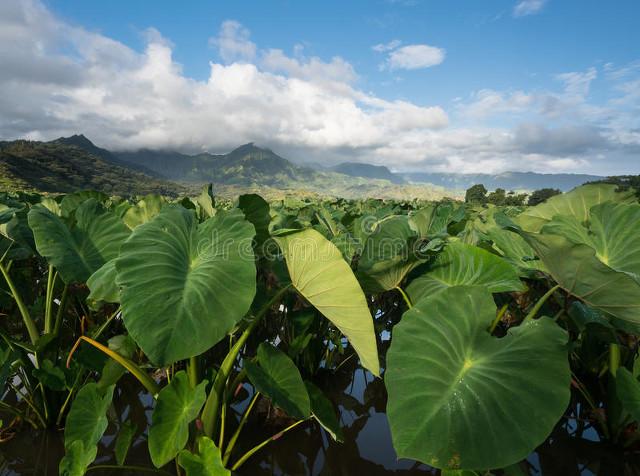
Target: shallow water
{"x":308,"y":451}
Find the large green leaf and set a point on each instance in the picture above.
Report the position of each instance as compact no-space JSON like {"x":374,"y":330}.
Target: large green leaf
{"x":578,"y":271}
{"x":461,"y":398}
{"x":324,"y":278}
{"x":102,"y":285}
{"x":85,"y":423}
{"x":515,"y":249}
{"x":278,"y":378}
{"x":79,"y":251}
{"x":77,"y":459}
{"x":388,"y":255}
{"x":611,"y":230}
{"x":183,"y":286}
{"x":178,"y":405}
{"x":208,"y":461}
{"x":144,"y":210}
{"x":256,"y":210}
{"x":435,"y":218}
{"x":575,"y":203}
{"x":461,"y":264}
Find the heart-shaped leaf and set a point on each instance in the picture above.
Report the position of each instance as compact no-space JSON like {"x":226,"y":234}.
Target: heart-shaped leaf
{"x":183,"y":285}
{"x":86,"y":423}
{"x":178,"y":404}
{"x":461,"y":264}
{"x":461,"y":398}
{"x":278,"y":378}
{"x":80,"y":251}
{"x":208,"y":461}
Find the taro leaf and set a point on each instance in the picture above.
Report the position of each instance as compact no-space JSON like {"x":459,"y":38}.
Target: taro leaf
{"x":612,"y":231}
{"x":144,"y":210}
{"x":103,"y":285}
{"x":80,"y":251}
{"x":515,"y":249}
{"x":178,"y":405}
{"x":324,"y":413}
{"x":50,"y":376}
{"x":628,"y":392}
{"x":112,"y":370}
{"x":278,"y":378}
{"x":256,"y":210}
{"x":387,"y":256}
{"x":208,"y":461}
{"x":578,"y":271}
{"x":183,"y":286}
{"x":324,"y":278}
{"x":460,"y":398}
{"x":77,"y":459}
{"x":461,"y":264}
{"x":16,"y":238}
{"x":86,"y":423}
{"x":72,"y":201}
{"x":575,"y":203}
{"x":206,"y":203}
{"x":434,"y":219}
{"x":123,"y":441}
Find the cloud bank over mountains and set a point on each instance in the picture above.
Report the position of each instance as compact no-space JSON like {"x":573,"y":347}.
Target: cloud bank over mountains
{"x":60,"y":79}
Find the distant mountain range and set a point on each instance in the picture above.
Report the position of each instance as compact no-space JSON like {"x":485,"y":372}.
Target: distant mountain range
{"x":69,"y":163}
{"x":506,"y":180}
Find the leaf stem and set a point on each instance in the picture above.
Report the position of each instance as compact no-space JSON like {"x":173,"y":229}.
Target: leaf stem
{"x":234,"y":438}
{"x":61,"y":307}
{"x":51,"y":283}
{"x":128,"y":468}
{"x":137,"y":372}
{"x":498,"y":318}
{"x":540,"y":303}
{"x":34,"y":335}
{"x":210,"y":412}
{"x":257,"y":448}
{"x":405,"y":297}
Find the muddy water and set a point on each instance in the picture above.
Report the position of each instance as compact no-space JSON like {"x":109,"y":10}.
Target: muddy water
{"x":572,"y":449}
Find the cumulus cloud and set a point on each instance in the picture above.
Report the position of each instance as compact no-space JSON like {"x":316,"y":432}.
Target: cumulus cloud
{"x":233,"y":42}
{"x":60,"y":79}
{"x":412,"y":57}
{"x":528,"y":7}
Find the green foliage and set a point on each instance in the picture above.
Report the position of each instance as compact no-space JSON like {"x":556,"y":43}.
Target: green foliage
{"x":542,"y":195}
{"x":199,"y":297}
{"x":476,"y":194}
{"x":460,"y":398}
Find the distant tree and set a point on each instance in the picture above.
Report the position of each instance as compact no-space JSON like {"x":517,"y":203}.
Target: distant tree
{"x":497,"y":197}
{"x":476,"y":194}
{"x":542,"y":195}
{"x":515,"y":200}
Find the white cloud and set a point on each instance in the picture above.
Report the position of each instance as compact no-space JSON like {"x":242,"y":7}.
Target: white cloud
{"x":414,"y":57}
{"x":528,"y":7}
{"x":59,"y":79}
{"x":233,"y":42}
{"x":384,"y":47}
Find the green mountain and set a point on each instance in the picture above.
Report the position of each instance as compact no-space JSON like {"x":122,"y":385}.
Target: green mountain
{"x":247,"y":165}
{"x":73,"y":163}
{"x":60,"y":166}
{"x":356,"y":169}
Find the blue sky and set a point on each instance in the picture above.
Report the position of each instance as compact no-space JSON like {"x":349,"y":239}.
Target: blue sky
{"x":466,"y":86}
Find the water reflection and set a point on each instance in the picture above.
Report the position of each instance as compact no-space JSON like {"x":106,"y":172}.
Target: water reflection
{"x":573,"y":448}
